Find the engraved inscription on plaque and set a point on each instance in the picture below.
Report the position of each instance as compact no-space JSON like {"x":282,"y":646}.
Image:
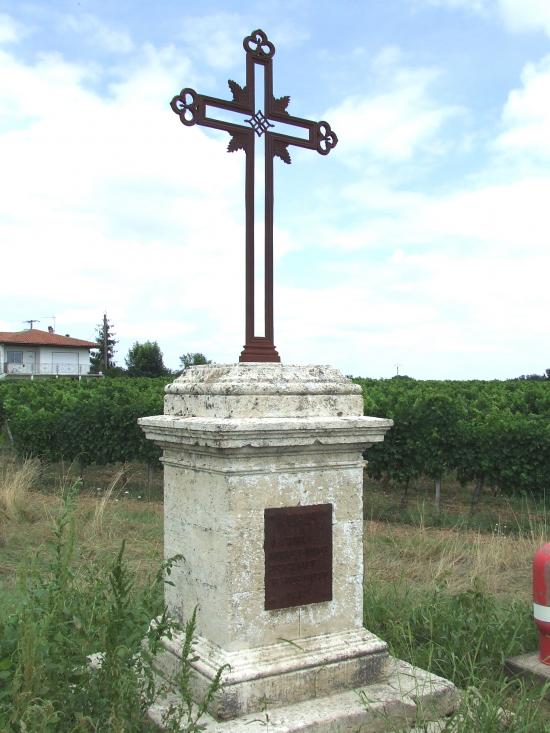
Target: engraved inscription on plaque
{"x":298,"y":555}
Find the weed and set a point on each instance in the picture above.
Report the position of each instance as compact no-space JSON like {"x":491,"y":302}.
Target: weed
{"x":63,"y":616}
{"x":182,"y":715}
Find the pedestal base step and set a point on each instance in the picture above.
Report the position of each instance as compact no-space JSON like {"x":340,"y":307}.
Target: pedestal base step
{"x":404,"y":696}
{"x":530,"y":668}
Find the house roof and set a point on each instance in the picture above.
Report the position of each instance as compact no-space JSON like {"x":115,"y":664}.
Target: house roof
{"x":35,"y":337}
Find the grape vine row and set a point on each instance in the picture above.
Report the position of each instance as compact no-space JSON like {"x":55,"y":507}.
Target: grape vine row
{"x":494,"y":433}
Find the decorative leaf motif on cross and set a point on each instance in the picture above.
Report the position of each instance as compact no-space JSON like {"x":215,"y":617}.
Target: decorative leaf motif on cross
{"x":192,"y":109}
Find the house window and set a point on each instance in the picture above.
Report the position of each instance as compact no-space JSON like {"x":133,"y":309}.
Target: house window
{"x":14,"y":357}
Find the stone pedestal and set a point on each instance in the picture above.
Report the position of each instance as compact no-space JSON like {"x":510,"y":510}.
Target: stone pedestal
{"x":240,"y":442}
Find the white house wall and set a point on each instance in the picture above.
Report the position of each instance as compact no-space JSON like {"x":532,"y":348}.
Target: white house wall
{"x":46,"y":359}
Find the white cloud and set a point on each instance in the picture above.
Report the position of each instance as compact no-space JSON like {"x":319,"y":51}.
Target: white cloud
{"x":474,"y":6}
{"x":526,"y":115}
{"x":399,"y":118}
{"x":453,"y":284}
{"x":10,"y":31}
{"x":526,"y":15}
{"x":517,"y":15}
{"x":97,"y":33}
{"x":110,"y":201}
{"x":212,"y":37}
{"x":463,"y":271}
{"x":387,"y":57}
{"x":476,"y":315}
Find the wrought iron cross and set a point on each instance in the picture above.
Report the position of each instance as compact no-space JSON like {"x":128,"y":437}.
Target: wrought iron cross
{"x":192,"y":109}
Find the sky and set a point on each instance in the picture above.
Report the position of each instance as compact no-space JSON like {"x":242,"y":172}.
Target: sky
{"x":419,"y":245}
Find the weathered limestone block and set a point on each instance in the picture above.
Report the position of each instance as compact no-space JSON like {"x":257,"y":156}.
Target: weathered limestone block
{"x":262,"y":390}
{"x":401,"y":698}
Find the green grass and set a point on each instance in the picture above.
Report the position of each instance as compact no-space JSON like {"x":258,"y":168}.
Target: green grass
{"x":461,"y":636}
{"x":63,"y":610}
{"x":455,"y":601}
{"x":464,"y":637}
{"x":501,"y":514}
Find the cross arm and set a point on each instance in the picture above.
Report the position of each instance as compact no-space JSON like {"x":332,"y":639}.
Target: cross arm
{"x":191,"y":108}
{"x":320,"y":135}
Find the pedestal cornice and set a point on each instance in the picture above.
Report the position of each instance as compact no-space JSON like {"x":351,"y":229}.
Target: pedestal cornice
{"x":169,"y":432}
{"x":266,"y":390}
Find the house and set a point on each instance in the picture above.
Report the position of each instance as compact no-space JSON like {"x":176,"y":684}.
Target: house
{"x":43,"y":353}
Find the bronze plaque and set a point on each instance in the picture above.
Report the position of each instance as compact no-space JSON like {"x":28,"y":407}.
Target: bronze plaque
{"x":298,"y":555}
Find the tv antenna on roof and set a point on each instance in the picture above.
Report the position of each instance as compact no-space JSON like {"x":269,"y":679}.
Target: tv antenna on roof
{"x":31,"y":321}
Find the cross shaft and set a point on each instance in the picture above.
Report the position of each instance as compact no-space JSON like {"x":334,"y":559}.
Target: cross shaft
{"x":191,"y":108}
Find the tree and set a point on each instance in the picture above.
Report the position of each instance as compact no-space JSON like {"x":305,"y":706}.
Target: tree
{"x":145,"y":360}
{"x":187,"y":360}
{"x":103,"y":359}
{"x":536,"y":377}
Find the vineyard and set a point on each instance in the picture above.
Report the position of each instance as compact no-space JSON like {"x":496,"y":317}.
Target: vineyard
{"x":494,"y":434}
{"x":89,"y":421}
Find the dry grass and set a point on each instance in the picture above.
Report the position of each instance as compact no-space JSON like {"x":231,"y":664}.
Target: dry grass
{"x":99,"y":511}
{"x":423,"y":557}
{"x":17,"y":482}
{"x":451,"y":559}
{"x":137,"y":478}
{"x":102,"y":521}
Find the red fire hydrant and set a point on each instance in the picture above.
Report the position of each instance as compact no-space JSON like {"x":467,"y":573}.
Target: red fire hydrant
{"x":541,"y":598}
